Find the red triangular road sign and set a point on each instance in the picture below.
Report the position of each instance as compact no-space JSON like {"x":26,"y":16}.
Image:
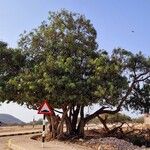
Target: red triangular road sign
{"x":45,"y":108}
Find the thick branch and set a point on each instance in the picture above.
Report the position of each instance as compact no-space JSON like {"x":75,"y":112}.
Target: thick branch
{"x":143,"y":79}
{"x":82,"y":112}
{"x":126,"y":95}
{"x":131,"y":87}
{"x":95,"y":114}
{"x":103,"y":121}
{"x":142,"y":74}
{"x":58,"y":111}
{"x":102,"y":109}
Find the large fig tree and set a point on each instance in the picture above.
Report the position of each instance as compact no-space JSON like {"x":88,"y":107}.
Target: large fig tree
{"x":64,"y":66}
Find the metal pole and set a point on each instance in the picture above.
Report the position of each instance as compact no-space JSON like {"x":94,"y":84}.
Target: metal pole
{"x":33,"y":123}
{"x":43,"y":133}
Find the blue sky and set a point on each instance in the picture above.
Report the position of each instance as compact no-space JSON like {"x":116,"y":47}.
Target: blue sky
{"x":114,"y":21}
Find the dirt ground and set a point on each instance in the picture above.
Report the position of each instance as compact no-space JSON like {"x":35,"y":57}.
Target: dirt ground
{"x":26,"y":143}
{"x":95,"y":139}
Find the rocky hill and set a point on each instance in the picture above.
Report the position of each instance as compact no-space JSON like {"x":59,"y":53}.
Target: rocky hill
{"x":9,"y":119}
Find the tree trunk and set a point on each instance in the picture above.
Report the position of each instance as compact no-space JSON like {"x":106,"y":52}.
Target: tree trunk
{"x":80,"y":130}
{"x":60,"y":125}
{"x":81,"y":125}
{"x":75,"y":117}
{"x":53,"y":125}
{"x":54,"y":132}
{"x":73,"y":128}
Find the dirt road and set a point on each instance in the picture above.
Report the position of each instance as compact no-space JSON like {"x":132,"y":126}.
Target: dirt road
{"x":4,"y":143}
{"x":26,"y":143}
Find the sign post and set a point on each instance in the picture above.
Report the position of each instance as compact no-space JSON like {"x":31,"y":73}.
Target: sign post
{"x":45,"y":109}
{"x":43,"y":132}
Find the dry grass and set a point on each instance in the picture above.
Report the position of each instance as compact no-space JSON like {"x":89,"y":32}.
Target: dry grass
{"x":18,"y":128}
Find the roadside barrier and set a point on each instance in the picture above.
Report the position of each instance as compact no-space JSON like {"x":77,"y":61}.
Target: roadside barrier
{"x":20,"y":133}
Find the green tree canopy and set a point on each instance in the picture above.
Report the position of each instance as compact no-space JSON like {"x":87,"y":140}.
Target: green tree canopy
{"x":11,"y":62}
{"x":65,"y":66}
{"x":140,"y":99}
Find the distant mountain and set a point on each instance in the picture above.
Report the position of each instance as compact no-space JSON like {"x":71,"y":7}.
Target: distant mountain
{"x":9,"y":119}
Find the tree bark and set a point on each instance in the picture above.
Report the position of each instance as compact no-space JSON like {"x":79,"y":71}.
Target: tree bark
{"x":81,"y":125}
{"x":103,"y":121}
{"x":75,"y":117}
{"x":80,"y":130}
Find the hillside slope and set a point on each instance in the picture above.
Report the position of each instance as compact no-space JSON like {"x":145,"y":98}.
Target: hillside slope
{"x":9,"y":119}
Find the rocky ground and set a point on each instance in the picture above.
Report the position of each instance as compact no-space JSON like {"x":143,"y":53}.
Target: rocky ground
{"x":111,"y":143}
{"x":97,"y":139}
{"x":108,"y":143}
